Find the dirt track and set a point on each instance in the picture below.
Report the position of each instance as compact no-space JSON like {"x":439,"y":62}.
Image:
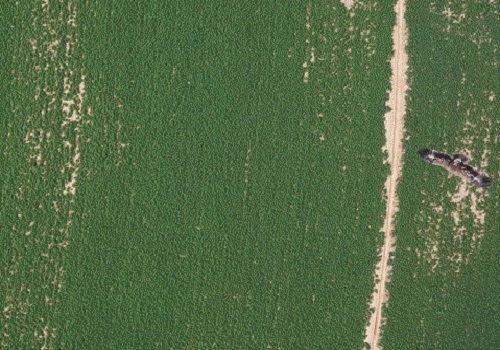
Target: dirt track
{"x":394,"y":132}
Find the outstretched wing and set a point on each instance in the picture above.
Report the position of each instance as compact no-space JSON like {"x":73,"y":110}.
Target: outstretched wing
{"x":456,"y":165}
{"x":434,"y":157}
{"x":426,"y":154}
{"x":480,"y":181}
{"x":473,"y":176}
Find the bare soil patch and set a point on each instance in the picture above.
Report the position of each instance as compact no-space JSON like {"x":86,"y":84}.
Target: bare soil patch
{"x":347,"y":3}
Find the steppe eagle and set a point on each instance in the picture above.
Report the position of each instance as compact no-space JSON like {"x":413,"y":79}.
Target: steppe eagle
{"x":456,"y":164}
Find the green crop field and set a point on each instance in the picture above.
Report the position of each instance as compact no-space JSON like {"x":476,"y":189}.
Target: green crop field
{"x":446,"y":278}
{"x":210,"y":175}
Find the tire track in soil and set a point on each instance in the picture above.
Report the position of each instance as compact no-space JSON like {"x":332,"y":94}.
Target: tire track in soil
{"x":394,"y":132}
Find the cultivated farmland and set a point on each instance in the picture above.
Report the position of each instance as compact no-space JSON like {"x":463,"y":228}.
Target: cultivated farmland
{"x":243,"y":175}
{"x":445,"y":290}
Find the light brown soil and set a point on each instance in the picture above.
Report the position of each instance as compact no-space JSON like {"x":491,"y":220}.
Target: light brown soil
{"x":394,"y":132}
{"x":347,"y":3}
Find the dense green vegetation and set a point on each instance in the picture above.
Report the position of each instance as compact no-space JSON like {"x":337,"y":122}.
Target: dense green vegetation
{"x":221,"y":201}
{"x":442,"y":302}
{"x":183,"y":176}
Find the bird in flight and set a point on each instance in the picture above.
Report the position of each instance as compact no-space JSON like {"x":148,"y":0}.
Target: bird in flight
{"x":456,"y":164}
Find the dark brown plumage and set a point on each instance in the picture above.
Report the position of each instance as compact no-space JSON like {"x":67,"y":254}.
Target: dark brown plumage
{"x":455,"y":165}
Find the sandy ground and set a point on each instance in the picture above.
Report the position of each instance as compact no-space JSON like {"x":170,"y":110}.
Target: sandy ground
{"x":394,"y":133}
{"x":348,"y":3}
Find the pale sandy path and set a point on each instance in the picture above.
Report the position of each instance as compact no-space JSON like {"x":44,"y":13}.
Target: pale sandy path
{"x":394,"y":132}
